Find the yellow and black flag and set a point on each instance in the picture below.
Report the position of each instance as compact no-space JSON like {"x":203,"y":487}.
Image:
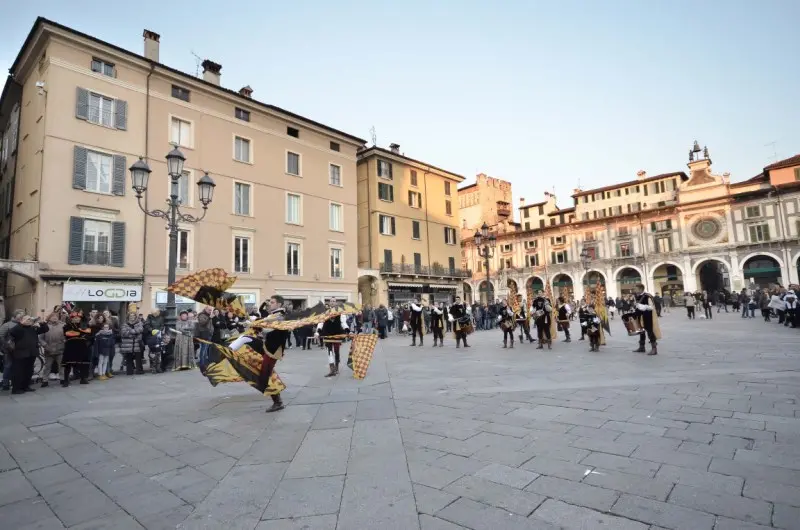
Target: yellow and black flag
{"x":245,"y":364}
{"x":208,"y":287}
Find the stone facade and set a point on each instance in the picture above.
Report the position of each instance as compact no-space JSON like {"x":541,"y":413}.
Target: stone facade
{"x":676,"y":232}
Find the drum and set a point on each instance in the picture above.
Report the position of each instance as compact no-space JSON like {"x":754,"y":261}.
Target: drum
{"x":632,"y":324}
{"x":465,"y":324}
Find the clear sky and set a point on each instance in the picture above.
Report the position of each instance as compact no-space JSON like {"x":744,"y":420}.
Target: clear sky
{"x":545,"y":94}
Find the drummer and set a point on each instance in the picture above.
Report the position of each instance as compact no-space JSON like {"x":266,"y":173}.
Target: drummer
{"x":645,"y":313}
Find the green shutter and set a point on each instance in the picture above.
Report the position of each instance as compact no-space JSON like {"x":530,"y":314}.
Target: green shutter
{"x":117,"y":244}
{"x":75,"y":252}
{"x":121,"y":114}
{"x":118,"y":178}
{"x":79,"y":167}
{"x":82,"y":104}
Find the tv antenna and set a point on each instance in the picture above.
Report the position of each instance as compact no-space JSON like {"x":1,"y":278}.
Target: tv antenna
{"x":197,"y":60}
{"x":374,"y":135}
{"x":774,"y":150}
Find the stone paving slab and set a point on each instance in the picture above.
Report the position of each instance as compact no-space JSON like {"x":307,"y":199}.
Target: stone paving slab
{"x":704,"y":436}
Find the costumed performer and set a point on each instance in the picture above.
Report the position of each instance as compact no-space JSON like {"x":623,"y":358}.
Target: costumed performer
{"x":333,"y":332}
{"x":417,"y":323}
{"x":508,"y":321}
{"x":461,"y":324}
{"x":438,"y":322}
{"x":77,"y":353}
{"x":542,"y":312}
{"x":645,"y":312}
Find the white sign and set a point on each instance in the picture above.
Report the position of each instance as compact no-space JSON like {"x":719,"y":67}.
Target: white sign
{"x":102,"y":292}
{"x":161,"y":299}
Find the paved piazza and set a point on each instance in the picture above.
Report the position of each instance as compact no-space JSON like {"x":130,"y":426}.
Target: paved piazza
{"x":706,"y":435}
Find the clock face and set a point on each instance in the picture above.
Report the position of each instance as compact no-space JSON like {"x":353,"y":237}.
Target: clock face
{"x":706,"y":228}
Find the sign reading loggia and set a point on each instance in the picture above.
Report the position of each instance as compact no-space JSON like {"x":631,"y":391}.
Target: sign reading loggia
{"x":102,"y":292}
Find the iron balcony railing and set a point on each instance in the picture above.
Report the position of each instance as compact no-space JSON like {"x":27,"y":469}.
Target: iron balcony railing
{"x":96,"y":257}
{"x":421,"y":270}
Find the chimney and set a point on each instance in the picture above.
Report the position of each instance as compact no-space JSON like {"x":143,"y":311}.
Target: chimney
{"x":211,"y":71}
{"x":394,"y":148}
{"x":641,"y":174}
{"x":522,"y":201}
{"x":246,"y":91}
{"x":151,"y":43}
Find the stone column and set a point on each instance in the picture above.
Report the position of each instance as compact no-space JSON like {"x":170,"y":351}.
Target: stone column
{"x":736,"y":273}
{"x":689,"y":278}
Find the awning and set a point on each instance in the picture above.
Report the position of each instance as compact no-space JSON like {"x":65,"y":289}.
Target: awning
{"x":395,"y":284}
{"x":437,"y":286}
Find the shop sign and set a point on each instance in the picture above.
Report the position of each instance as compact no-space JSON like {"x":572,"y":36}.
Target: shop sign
{"x":102,"y":292}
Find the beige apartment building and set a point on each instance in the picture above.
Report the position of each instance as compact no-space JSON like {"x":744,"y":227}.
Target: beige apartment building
{"x":90,"y":109}
{"x":409,"y":244}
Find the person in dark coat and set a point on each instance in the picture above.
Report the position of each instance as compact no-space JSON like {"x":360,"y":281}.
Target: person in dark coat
{"x":77,"y":350}
{"x":382,"y":320}
{"x":130,"y":345}
{"x":26,"y":348}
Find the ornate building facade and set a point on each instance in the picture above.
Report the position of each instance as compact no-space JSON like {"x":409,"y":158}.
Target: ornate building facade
{"x":674,"y":232}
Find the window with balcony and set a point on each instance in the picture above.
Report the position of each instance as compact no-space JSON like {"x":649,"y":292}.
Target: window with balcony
{"x":663,"y":244}
{"x":96,"y":242}
{"x":93,"y":242}
{"x":336,"y":262}
{"x":241,"y":149}
{"x":241,"y":198}
{"x":414,"y":199}
{"x":334,"y":175}
{"x":759,"y":233}
{"x":624,"y":250}
{"x":449,"y":235}
{"x":241,"y":254}
{"x":384,"y":169}
{"x":293,"y":258}
{"x":591,"y":253}
{"x":180,"y":132}
{"x":385,"y":192}
{"x":417,"y":262}
{"x":386,"y":223}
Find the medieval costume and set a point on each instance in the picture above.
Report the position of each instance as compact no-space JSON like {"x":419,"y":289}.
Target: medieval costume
{"x":791,"y":309}
{"x":183,"y":352}
{"x":333,"y":332}
{"x":438,"y":319}
{"x":461,"y":324}
{"x":591,"y":326}
{"x":645,"y":312}
{"x":417,"y":324}
{"x":77,"y":351}
{"x":524,"y":323}
{"x":269,"y":345}
{"x":582,"y":315}
{"x":563,"y":317}
{"x":542,"y":313}
{"x":508,"y":322}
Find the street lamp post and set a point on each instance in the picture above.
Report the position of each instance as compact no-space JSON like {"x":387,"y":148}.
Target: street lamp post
{"x":586,"y":261}
{"x":485,"y":243}
{"x":140,"y":173}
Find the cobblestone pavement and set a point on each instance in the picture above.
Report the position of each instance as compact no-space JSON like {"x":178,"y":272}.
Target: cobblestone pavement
{"x":705,"y":435}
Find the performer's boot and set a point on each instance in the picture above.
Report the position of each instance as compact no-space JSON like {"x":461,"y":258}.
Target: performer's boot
{"x":434,"y":341}
{"x":640,"y":349}
{"x":541,"y":345}
{"x":505,"y":344}
{"x":332,"y":368}
{"x":277,"y":404}
{"x":653,"y":348}
{"x":420,"y":341}
{"x":512,"y":343}
{"x":550,"y":344}
{"x":458,"y":341}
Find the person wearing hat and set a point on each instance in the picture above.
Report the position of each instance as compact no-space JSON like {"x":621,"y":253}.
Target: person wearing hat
{"x":183,"y":353}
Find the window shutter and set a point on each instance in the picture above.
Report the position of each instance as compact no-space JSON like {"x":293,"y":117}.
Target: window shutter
{"x":390,"y":171}
{"x":669,"y":224}
{"x":552,"y":257}
{"x":75,"y":252}
{"x":410,"y":197}
{"x":79,"y":168}
{"x":391,"y":192}
{"x":121,"y":114}
{"x":393,"y":232}
{"x":118,"y":178}
{"x":118,"y":244}
{"x":82,"y":104}
{"x":653,"y":226}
